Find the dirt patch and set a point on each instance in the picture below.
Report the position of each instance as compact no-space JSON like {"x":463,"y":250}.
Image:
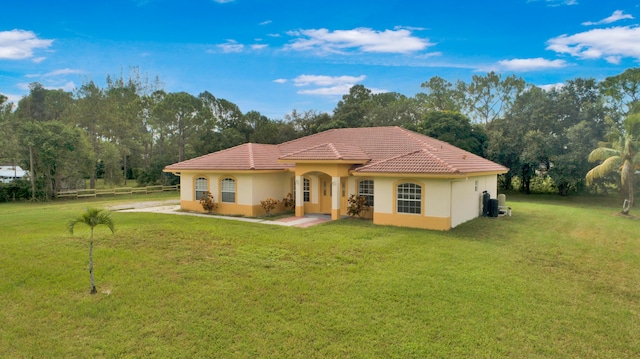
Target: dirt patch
{"x":628,"y":216}
{"x":143,"y":204}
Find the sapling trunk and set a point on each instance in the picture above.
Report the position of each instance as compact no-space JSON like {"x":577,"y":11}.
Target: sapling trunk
{"x":93,"y":281}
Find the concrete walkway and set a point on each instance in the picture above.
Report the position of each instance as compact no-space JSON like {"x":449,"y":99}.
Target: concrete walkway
{"x":170,"y":208}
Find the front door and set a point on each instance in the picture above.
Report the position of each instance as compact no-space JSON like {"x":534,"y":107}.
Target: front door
{"x":343,"y":196}
{"x":325,"y":194}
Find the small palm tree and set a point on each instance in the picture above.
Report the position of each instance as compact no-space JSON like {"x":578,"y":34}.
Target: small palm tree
{"x":92,"y":217}
{"x":620,"y":153}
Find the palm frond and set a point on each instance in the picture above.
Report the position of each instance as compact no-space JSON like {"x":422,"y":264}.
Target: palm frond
{"x":602,"y":153}
{"x":609,"y":165}
{"x":93,"y":217}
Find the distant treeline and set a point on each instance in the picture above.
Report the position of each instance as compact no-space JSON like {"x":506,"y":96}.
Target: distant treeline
{"x":131,"y":129}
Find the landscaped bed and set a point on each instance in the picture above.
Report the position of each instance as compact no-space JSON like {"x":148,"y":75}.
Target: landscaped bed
{"x":559,"y":278}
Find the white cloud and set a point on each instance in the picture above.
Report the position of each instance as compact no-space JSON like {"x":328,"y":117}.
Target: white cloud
{"x":280,"y":81}
{"x":20,"y":44}
{"x":616,"y":16}
{"x":337,"y":90}
{"x":67,"y":86}
{"x":231,"y":46}
{"x":531,"y":64}
{"x":61,"y":72}
{"x":267,"y":22}
{"x":612,"y":44}
{"x":320,"y":80}
{"x":550,"y":87}
{"x":362,"y":39}
{"x":12,"y":98}
{"x":223,"y":1}
{"x":554,"y":3}
{"x":327,"y":85}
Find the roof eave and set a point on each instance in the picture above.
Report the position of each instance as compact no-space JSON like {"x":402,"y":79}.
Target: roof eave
{"x":357,"y":173}
{"x":331,"y":161}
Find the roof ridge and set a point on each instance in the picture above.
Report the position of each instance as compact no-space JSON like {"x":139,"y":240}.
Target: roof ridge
{"x":304,"y":149}
{"x":391,"y":158}
{"x":415,"y":136}
{"x":333,"y":148}
{"x":252,"y":164}
{"x":426,"y":151}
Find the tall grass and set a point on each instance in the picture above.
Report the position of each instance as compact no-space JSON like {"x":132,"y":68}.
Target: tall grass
{"x":557,"y":279}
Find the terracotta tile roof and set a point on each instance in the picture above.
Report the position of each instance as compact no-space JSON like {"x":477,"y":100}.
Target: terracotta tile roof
{"x":387,"y":149}
{"x":250,"y":156}
{"x":328,"y":151}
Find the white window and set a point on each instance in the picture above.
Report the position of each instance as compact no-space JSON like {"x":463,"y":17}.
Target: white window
{"x":365,"y":189}
{"x":409,"y":198}
{"x":201,"y":187}
{"x":306,"y":190}
{"x":228,"y":190}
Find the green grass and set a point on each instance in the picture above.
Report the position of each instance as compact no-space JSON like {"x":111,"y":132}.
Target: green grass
{"x":559,"y":278}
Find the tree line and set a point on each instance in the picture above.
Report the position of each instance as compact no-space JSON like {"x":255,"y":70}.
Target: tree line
{"x":130,"y":129}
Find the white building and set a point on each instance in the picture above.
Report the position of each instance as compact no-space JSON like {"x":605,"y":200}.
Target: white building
{"x":9,"y":173}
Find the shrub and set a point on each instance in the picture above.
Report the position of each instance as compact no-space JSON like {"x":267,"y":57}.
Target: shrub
{"x":16,"y":190}
{"x":357,"y":205}
{"x":289,"y":202}
{"x":269,"y":205}
{"x":208,"y":202}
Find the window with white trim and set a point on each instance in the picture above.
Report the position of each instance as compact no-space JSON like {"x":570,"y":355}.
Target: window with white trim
{"x":228,"y":190}
{"x":409,"y":198}
{"x":365,"y":189}
{"x":201,"y":187}
{"x":306,"y":190}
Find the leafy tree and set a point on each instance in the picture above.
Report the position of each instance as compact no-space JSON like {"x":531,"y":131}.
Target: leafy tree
{"x":352,"y":109}
{"x":91,"y":115}
{"x":623,"y":90}
{"x":92,"y":217}
{"x":514,"y":140}
{"x":441,"y":95}
{"x":454,"y":128}
{"x":8,"y":139}
{"x":124,"y":128}
{"x":619,"y":153}
{"x":184,"y":115}
{"x":308,"y":122}
{"x":391,"y":109}
{"x":489,"y":97}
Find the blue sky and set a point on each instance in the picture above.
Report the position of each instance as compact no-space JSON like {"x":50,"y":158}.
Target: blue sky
{"x":276,"y":56}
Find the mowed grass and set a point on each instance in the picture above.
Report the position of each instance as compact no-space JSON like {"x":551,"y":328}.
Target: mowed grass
{"x":560,"y":278}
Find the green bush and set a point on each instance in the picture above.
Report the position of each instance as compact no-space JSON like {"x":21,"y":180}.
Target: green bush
{"x":208,"y":202}
{"x":357,"y":205}
{"x":16,"y":190}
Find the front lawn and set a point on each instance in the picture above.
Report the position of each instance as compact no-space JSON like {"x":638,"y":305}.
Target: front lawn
{"x":558,"y":279}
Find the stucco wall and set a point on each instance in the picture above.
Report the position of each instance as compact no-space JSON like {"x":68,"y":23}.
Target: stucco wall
{"x":250,"y":190}
{"x":467,"y":197}
{"x":274,"y":185}
{"x":446,"y":202}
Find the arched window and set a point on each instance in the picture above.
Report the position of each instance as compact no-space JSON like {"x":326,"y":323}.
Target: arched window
{"x":409,"y":198}
{"x":228,"y":190}
{"x":201,"y":187}
{"x":365,"y":189}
